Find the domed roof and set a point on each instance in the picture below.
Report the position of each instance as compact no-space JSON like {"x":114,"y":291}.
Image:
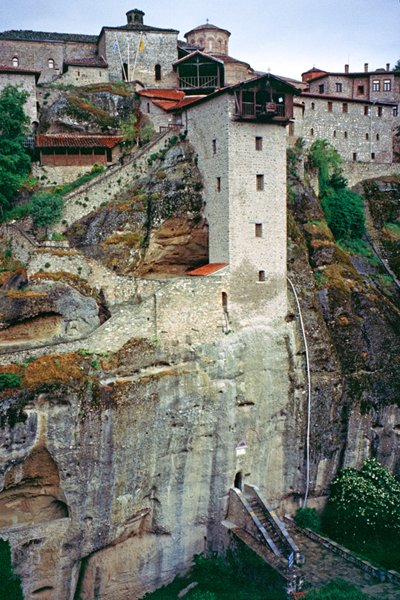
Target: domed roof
{"x":207,"y":26}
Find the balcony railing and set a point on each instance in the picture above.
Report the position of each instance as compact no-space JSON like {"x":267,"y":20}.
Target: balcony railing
{"x":202,"y":81}
{"x":251,"y":110}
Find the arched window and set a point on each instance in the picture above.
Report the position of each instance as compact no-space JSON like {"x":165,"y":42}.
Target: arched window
{"x":15,"y":61}
{"x":157,"y":72}
{"x":210,"y":44}
{"x":50,"y":63}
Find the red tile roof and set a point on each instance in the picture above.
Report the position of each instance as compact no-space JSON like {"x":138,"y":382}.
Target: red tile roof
{"x":17,"y":70}
{"x":207,"y":269}
{"x":77,"y":141}
{"x":162,"y":94}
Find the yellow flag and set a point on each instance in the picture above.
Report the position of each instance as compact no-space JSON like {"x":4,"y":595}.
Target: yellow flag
{"x":141,"y":43}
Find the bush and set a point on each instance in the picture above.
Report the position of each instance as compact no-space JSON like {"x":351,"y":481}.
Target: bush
{"x":10,"y":583}
{"x":338,"y":589}
{"x":344,"y":213}
{"x":45,"y":209}
{"x":308,"y":517}
{"x":9,"y":380}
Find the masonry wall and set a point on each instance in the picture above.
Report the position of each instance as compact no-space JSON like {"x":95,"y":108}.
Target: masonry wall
{"x":207,"y":122}
{"x":84,"y":75}
{"x":25,"y":83}
{"x":160,"y":48}
{"x":158,"y":116}
{"x":351,"y":133}
{"x":35,"y":55}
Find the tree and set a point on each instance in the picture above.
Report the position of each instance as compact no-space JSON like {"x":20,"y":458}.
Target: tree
{"x":364,"y":504}
{"x":10,"y":583}
{"x":46,"y":209}
{"x":397,"y":66}
{"x":14,"y":161}
{"x":338,"y":589}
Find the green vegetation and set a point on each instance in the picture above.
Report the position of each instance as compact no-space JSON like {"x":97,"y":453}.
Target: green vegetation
{"x":10,"y":583}
{"x":294,"y":155}
{"x":241,"y":575}
{"x":9,"y":380}
{"x":343,"y":208}
{"x":363,"y":513}
{"x":308,"y":517}
{"x":46,"y":209}
{"x":14,"y":161}
{"x":337,"y":589}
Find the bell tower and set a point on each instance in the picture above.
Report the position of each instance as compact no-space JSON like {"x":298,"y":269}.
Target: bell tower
{"x":135,"y":17}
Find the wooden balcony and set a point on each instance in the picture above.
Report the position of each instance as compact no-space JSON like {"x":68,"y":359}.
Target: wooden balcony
{"x":263,"y":106}
{"x":199,"y":82}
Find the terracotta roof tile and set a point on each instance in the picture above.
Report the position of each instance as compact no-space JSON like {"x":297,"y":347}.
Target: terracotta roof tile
{"x":77,"y":141}
{"x":162,"y":94}
{"x":209,"y":269}
{"x":17,"y":70}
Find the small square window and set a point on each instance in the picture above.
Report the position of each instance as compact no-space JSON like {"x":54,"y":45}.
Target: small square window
{"x":259,"y":144}
{"x":334,"y":133}
{"x":354,"y":156}
{"x":259,"y":182}
{"x":330,"y":106}
{"x":387,"y":85}
{"x":360,"y":90}
{"x":15,"y":61}
{"x":367,"y":136}
{"x":380,"y":111}
{"x":261,"y":275}
{"x":395,"y":111}
{"x":377,"y":137}
{"x":366,"y":111}
{"x":339,"y":87}
{"x":214,"y":146}
{"x":372,"y":155}
{"x":258,"y":230}
{"x":312,"y":105}
{"x":218,"y":184}
{"x":345,"y":107}
{"x":311,"y":131}
{"x":376,"y":85}
{"x":345,"y":135}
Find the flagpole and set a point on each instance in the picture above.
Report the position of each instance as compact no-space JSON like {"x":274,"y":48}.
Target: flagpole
{"x":120,"y":58}
{"x":128,"y":59}
{"x":137,"y":54}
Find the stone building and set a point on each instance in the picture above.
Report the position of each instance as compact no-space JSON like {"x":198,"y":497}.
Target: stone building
{"x":360,"y":130}
{"x":26,"y":80}
{"x":381,"y":85}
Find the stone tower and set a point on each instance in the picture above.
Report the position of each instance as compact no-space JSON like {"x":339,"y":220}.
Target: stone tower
{"x":210,"y":38}
{"x":135,"y":17}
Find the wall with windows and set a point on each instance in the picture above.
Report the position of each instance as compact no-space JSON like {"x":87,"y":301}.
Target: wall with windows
{"x":81,"y":75}
{"x":46,"y":57}
{"x":361,"y":132}
{"x":147,"y":58}
{"x":244,"y":169}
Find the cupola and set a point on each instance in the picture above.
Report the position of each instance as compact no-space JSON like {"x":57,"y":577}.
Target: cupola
{"x":135,"y":17}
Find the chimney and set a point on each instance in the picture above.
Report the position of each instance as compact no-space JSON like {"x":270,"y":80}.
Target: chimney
{"x":366,"y":67}
{"x":387,"y":66}
{"x":346,"y":68}
{"x":135,"y":17}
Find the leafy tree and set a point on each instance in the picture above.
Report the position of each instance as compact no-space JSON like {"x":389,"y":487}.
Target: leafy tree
{"x":324,"y":157}
{"x":10,"y":583}
{"x":14,"y":161}
{"x":308,"y":517}
{"x":364,"y":504}
{"x":46,"y":209}
{"x":397,"y":66}
{"x":338,"y":589}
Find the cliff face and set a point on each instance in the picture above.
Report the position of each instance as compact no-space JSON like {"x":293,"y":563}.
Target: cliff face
{"x":117,"y":473}
{"x":116,"y":466}
{"x":352,"y":316}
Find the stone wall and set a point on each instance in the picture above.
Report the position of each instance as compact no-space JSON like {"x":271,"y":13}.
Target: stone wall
{"x":36,"y":55}
{"x":84,"y":75}
{"x":356,"y":172}
{"x":354,"y":134}
{"x":159,"y":48}
{"x":58,"y":175}
{"x":27,"y":84}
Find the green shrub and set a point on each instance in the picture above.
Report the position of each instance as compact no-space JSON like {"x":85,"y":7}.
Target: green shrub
{"x":308,"y":517}
{"x":10,"y":583}
{"x":343,"y":211}
{"x":338,"y":589}
{"x":9,"y":380}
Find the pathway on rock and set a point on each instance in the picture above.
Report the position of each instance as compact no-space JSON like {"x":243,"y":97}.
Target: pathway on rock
{"x":321,"y":565}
